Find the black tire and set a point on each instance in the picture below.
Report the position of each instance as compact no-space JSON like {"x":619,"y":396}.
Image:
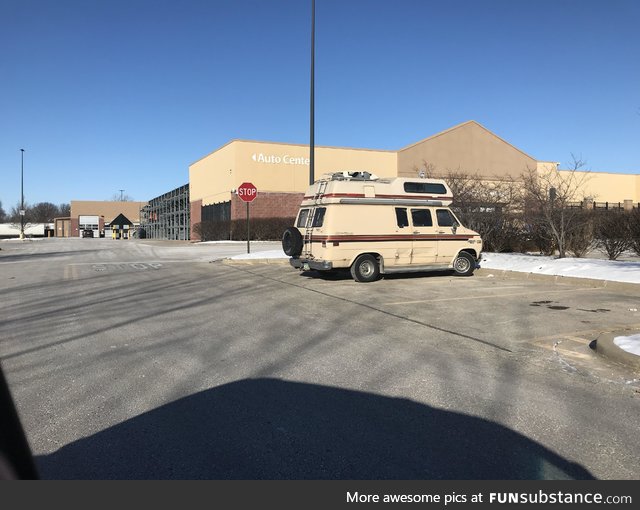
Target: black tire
{"x":292,"y":242}
{"x":365,"y":269}
{"x":464,"y":264}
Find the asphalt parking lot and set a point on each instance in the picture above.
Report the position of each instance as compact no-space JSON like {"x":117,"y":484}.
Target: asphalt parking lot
{"x":148,"y":360}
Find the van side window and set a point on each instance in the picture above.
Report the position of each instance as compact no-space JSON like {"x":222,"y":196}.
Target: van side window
{"x":433,"y":188}
{"x":318,"y":217}
{"x":421,"y":218}
{"x":302,"y":218}
{"x":401,"y":217}
{"x":445,"y":218}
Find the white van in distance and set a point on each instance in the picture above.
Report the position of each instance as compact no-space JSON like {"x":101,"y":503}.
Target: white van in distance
{"x":378,"y":226}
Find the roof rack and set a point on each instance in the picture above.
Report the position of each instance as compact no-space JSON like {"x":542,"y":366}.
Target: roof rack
{"x":350,"y":176}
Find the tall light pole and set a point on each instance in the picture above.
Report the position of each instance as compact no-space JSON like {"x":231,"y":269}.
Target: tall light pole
{"x":311,"y":120}
{"x":22,"y":194}
{"x":121,"y":195}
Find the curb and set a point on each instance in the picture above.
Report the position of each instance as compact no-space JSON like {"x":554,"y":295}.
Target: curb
{"x":606,"y":347}
{"x":254,"y":262}
{"x":557,"y":279}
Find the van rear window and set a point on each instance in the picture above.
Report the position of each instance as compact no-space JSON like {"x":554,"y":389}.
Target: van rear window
{"x":318,"y":217}
{"x":302,"y":218}
{"x":433,"y":188}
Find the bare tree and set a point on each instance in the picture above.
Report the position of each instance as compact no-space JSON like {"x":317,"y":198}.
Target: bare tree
{"x":581,"y":239}
{"x":614,"y":232}
{"x":121,"y":197}
{"x":43,"y":212}
{"x":552,"y":199}
{"x":64,"y":210}
{"x":3,"y":215}
{"x":14,"y":215}
{"x":490,"y":206}
{"x":634,"y":227}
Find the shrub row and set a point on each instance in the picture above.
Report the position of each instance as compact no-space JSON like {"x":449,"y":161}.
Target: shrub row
{"x":612,"y":231}
{"x":260,"y":229}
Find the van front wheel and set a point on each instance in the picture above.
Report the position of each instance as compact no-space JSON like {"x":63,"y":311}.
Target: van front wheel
{"x":365,"y":269}
{"x":464,"y":264}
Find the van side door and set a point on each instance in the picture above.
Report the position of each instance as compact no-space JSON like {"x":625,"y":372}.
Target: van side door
{"x":403,"y":246}
{"x":425,"y":237}
{"x":448,"y":244}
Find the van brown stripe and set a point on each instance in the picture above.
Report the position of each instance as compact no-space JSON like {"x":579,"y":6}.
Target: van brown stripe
{"x":362,"y":195}
{"x":364,"y":239}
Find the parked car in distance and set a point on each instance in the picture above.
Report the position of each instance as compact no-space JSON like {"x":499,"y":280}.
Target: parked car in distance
{"x":87,"y":233}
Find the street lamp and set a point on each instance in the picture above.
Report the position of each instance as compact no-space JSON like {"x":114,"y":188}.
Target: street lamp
{"x":21,"y":193}
{"x":311,"y":98}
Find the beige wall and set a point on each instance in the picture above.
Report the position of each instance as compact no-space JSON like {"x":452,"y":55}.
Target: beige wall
{"x":469,"y":148}
{"x":107,"y":209}
{"x":275,"y":167}
{"x":211,"y":177}
{"x":604,"y":187}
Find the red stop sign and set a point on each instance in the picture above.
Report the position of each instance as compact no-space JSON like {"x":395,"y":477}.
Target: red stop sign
{"x":247,"y":192}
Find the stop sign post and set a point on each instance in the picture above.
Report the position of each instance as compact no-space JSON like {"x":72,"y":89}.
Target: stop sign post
{"x":247,"y":192}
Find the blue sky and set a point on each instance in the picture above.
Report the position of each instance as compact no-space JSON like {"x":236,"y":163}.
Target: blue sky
{"x":124,"y":94}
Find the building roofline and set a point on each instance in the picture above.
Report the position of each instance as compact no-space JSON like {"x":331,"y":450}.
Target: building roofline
{"x":241,"y":140}
{"x":459,"y":126}
{"x":624,"y":174}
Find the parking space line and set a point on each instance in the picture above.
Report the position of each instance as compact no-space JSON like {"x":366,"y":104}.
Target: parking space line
{"x":432,"y":300}
{"x":373,"y":308}
{"x":70,"y":272}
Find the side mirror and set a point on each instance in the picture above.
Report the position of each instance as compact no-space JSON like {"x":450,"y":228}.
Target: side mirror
{"x":454,"y":228}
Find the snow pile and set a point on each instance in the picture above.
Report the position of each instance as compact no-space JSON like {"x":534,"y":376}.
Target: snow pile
{"x":267,"y":254}
{"x":578,"y":268}
{"x":629,"y":343}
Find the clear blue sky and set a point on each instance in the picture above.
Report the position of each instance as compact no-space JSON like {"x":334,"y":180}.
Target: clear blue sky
{"x":124,"y":94}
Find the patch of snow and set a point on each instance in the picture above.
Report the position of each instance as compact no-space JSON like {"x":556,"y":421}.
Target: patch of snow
{"x":597,"y":269}
{"x":231,"y":242}
{"x":629,"y":343}
{"x":267,"y":254}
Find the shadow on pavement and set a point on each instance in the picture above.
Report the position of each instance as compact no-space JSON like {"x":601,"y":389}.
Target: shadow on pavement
{"x":273,"y":429}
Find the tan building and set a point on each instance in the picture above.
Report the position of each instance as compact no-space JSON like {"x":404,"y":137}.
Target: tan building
{"x":281,"y":171}
{"x":469,"y":148}
{"x":96,"y":216}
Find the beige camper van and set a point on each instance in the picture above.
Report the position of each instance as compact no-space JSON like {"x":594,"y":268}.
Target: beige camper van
{"x":375,"y":226}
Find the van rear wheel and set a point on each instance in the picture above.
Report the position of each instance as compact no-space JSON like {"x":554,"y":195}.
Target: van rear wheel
{"x":365,"y":269}
{"x":464,"y":264}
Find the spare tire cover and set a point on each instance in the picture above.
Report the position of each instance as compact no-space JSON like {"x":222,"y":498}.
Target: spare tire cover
{"x":292,"y":242}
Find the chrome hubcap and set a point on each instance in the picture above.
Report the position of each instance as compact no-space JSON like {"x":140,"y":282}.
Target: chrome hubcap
{"x":366,"y":268}
{"x":461,"y":265}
